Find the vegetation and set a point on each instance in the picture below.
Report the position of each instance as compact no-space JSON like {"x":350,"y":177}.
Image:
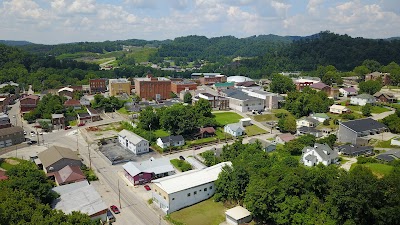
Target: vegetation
{"x":254,"y":130}
{"x":48,"y":105}
{"x":210,"y":158}
{"x":25,"y":199}
{"x":287,"y":123}
{"x":108,"y":104}
{"x":206,"y":212}
{"x":393,"y":122}
{"x":89,"y":173}
{"x":224,"y":118}
{"x":277,"y":190}
{"x":366,"y":109}
{"x":181,"y":165}
{"x":282,"y":84}
{"x":370,"y":87}
{"x":187,"y":98}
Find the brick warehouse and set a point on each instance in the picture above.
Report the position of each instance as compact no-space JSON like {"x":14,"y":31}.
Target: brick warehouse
{"x":98,"y":85}
{"x":179,"y":86}
{"x":150,"y":87}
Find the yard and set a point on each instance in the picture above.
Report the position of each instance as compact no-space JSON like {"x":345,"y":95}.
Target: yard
{"x":123,"y":111}
{"x":378,"y":169}
{"x":219,"y":134}
{"x":181,"y":165}
{"x":254,"y":130}
{"x":375,"y":109}
{"x":9,"y":163}
{"x":224,"y":118}
{"x":161,"y":133}
{"x":207,"y":212}
{"x":381,"y":144}
{"x":265,"y":117}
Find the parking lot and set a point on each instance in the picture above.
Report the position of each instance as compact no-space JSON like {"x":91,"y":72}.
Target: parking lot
{"x":113,"y":151}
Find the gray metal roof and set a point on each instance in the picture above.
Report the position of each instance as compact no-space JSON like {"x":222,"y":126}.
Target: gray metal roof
{"x":132,"y":137}
{"x":156,"y":166}
{"x":364,"y":96}
{"x":311,"y":157}
{"x":235,"y":126}
{"x":320,"y":149}
{"x":172,"y":138}
{"x":362,"y":125}
{"x":354,"y":149}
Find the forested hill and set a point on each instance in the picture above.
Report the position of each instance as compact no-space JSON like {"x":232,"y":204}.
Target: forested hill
{"x":14,"y":43}
{"x":341,"y":51}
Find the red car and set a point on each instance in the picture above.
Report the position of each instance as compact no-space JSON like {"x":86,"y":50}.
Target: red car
{"x":147,"y":187}
{"x":81,"y":124}
{"x":67,"y":127}
{"x":114,"y":209}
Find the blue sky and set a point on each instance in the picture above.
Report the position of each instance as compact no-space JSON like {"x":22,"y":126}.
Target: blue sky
{"x":61,"y":21}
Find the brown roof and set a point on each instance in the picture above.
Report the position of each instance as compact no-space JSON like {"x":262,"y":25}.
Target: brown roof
{"x":31,"y":97}
{"x":69,"y":174}
{"x":56,"y":153}
{"x":386,"y":95}
{"x":10,"y":130}
{"x":286,"y":137}
{"x":246,"y":84}
{"x":209,"y":130}
{"x":72,"y":102}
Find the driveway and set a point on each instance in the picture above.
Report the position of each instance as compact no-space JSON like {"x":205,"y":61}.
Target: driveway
{"x":348,"y":164}
{"x":195,"y":163}
{"x":382,"y":115}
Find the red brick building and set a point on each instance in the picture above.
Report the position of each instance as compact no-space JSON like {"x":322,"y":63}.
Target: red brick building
{"x":212,"y":79}
{"x":150,"y":87}
{"x":98,"y":85}
{"x":28,"y":103}
{"x":179,"y":86}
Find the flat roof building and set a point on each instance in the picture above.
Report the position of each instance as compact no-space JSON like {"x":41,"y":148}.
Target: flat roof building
{"x":156,"y":88}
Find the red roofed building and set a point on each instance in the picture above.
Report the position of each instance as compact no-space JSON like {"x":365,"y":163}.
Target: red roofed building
{"x":76,"y":104}
{"x":28,"y":103}
{"x":69,"y":174}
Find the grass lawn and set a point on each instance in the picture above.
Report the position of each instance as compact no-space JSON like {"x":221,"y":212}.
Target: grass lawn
{"x":254,"y":130}
{"x":73,"y":122}
{"x":181,"y":165}
{"x":9,"y":163}
{"x":206,"y":212}
{"x":378,"y":169}
{"x":275,"y":111}
{"x":264,"y":117}
{"x":161,"y":133}
{"x":354,"y":108}
{"x":224,"y":118}
{"x":383,"y":144}
{"x":379,"y":109}
{"x":123,"y":111}
{"x":219,"y":134}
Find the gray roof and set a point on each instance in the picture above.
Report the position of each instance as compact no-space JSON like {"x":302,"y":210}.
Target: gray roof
{"x":57,"y":116}
{"x":307,"y":130}
{"x":264,"y":143}
{"x":235,"y":126}
{"x":364,"y":96}
{"x":156,"y":166}
{"x":320,"y":149}
{"x":238,"y":94}
{"x":310,"y":119}
{"x":132,"y":137}
{"x":10,"y":130}
{"x":362,"y":125}
{"x":56,"y":153}
{"x":172,"y":138}
{"x":354,"y":149}
{"x":385,"y":157}
{"x":311,"y":157}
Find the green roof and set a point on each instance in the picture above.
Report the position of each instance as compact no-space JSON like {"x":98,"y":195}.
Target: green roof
{"x":321,"y":115}
{"x":226,"y":84}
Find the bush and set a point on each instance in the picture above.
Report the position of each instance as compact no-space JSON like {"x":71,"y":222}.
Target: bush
{"x":181,"y":165}
{"x":348,"y":116}
{"x":150,"y":201}
{"x":326,"y":123}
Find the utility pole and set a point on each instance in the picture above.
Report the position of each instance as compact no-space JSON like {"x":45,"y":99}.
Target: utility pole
{"x":37,"y":134}
{"x":90,"y":159}
{"x":119,"y":195}
{"x":77,"y":148}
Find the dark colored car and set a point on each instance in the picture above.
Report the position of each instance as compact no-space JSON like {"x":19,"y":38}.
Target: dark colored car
{"x":181,"y":157}
{"x":147,"y":187}
{"x":81,"y":124}
{"x":114,"y":209}
{"x":67,"y":127}
{"x":197,"y":148}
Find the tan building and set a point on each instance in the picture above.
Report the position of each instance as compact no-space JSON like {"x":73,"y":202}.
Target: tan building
{"x":385,"y":77}
{"x":119,"y":86}
{"x":150,"y":87}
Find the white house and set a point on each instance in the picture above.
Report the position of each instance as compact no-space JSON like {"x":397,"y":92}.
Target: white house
{"x":238,"y":215}
{"x":85,"y":101}
{"x":362,"y":99}
{"x":184,"y":189}
{"x":349,"y":91}
{"x":175,"y":141}
{"x":338,"y":109}
{"x":321,"y":117}
{"x":320,"y":153}
{"x":133,"y":142}
{"x":306,"y":122}
{"x":234,"y":129}
{"x":284,"y":138}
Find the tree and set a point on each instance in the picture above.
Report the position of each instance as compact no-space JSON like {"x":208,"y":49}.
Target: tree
{"x":330,"y":140}
{"x":366,"y":109}
{"x":149,"y":119}
{"x":172,"y":95}
{"x":281,"y":84}
{"x":361,"y":71}
{"x":203,"y":108}
{"x":370,"y":87}
{"x":187,"y":98}
{"x":372,"y":65}
{"x":287,"y":124}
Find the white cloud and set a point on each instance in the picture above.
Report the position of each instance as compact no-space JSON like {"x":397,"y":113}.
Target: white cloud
{"x":26,"y":9}
{"x":82,"y":6}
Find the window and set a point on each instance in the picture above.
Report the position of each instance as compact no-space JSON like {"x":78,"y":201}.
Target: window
{"x":188,"y":194}
{"x":205,"y":189}
{"x":173,"y":199}
{"x":195,"y":192}
{"x":210,"y":187}
{"x":165,"y":197}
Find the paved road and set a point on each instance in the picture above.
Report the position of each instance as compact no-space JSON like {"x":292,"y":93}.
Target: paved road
{"x":382,"y":115}
{"x":195,"y":163}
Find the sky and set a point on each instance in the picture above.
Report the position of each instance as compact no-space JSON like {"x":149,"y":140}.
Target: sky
{"x":64,"y":21}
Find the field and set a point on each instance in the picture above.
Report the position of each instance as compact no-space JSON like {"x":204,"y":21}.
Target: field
{"x":219,"y":134}
{"x":378,"y":169}
{"x":224,"y":118}
{"x":381,"y":144}
{"x":375,"y":109}
{"x":161,"y":133}
{"x":265,"y":117}
{"x":254,"y":130}
{"x":9,"y":163}
{"x":141,"y":54}
{"x":207,"y":212}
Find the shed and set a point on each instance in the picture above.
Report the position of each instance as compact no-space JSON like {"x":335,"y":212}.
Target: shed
{"x":238,"y":215}
{"x":245,"y":122}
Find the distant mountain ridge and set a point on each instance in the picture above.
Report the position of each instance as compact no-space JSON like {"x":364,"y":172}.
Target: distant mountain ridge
{"x":15,"y":43}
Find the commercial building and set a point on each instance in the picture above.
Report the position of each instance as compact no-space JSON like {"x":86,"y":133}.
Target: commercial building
{"x":4,"y":121}
{"x":119,"y":86}
{"x":11,"y":136}
{"x":184,"y":189}
{"x":272,"y":100}
{"x":145,"y":171}
{"x":330,"y":91}
{"x":356,"y":131}
{"x":216,"y":102}
{"x":149,"y":87}
{"x":242,"y":102}
{"x":55,"y":158}
{"x":80,"y":197}
{"x":133,"y":142}
{"x":58,"y":121}
{"x":301,"y":83}
{"x":98,"y":85}
{"x":28,"y":103}
{"x":178,"y":86}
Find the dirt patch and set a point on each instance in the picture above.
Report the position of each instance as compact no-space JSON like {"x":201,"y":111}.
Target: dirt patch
{"x":11,"y":161}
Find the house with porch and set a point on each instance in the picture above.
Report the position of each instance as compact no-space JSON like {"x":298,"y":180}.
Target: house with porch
{"x":172,"y":140}
{"x":319,"y":153}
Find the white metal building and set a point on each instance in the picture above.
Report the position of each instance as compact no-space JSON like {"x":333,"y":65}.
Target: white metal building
{"x":238,"y":215}
{"x":133,"y":142}
{"x":184,"y":189}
